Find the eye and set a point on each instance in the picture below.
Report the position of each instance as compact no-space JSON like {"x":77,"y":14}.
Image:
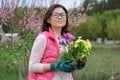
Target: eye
{"x":63,"y":14}
{"x":55,"y":14}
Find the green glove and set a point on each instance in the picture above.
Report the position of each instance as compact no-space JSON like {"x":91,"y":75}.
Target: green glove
{"x":62,"y":66}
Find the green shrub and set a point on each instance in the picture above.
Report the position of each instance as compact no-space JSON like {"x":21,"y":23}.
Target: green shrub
{"x":88,"y":30}
{"x":113,"y":29}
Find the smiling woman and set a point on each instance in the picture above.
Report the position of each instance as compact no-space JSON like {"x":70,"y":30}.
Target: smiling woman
{"x":45,"y":63}
{"x":57,"y":19}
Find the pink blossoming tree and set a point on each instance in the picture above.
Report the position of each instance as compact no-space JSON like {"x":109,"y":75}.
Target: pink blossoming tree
{"x":77,"y":14}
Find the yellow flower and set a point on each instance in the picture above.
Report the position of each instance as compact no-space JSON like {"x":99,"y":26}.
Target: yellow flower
{"x":83,"y":41}
{"x":80,"y":47}
{"x":75,"y":45}
{"x":83,"y":55}
{"x":79,"y":37}
{"x":88,"y":44}
{"x":77,"y":41}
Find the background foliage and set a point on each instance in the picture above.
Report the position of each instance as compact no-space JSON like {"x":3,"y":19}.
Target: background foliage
{"x":102,"y":21}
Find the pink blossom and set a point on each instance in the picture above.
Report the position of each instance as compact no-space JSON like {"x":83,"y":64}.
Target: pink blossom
{"x":77,"y":15}
{"x":51,"y":2}
{"x":30,"y":20}
{"x":70,"y":11}
{"x":89,"y":7}
{"x":2,"y":4}
{"x":18,"y":1}
{"x":81,"y":20}
{"x":20,"y":22}
{"x":80,"y":7}
{"x":70,"y":21}
{"x":3,"y":13}
{"x":13,"y":6}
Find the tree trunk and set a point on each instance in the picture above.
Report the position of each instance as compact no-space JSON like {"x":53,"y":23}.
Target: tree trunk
{"x":19,"y":70}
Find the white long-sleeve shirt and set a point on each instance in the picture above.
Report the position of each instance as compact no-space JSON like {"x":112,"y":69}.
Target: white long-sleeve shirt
{"x":37,"y":52}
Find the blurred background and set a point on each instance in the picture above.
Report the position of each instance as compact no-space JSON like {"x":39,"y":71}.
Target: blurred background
{"x":96,"y":20}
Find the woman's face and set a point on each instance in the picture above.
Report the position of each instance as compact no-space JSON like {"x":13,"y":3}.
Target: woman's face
{"x":58,"y":18}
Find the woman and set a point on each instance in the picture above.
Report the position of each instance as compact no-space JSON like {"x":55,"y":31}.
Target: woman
{"x":47,"y":47}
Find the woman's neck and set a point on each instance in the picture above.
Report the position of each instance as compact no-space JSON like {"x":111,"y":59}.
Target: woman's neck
{"x":57,"y":32}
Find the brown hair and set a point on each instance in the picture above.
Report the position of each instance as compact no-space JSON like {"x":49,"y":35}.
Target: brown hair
{"x":48,"y":14}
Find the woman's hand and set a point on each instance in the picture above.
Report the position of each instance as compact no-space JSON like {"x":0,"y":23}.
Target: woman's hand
{"x":62,"y":66}
{"x":82,"y":63}
{"x":77,"y":65}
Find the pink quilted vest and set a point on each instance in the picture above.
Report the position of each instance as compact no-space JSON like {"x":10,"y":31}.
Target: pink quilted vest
{"x":50,"y":55}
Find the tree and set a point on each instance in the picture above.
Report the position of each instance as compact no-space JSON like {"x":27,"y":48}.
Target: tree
{"x":77,"y":15}
{"x":113,"y":29}
{"x":88,"y":30}
{"x":4,"y":13}
{"x":114,"y":4}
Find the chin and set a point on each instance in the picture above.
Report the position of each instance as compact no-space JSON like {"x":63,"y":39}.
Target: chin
{"x":60,"y":25}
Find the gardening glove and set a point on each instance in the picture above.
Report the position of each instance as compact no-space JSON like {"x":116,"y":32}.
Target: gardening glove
{"x":82,"y":63}
{"x":62,"y":66}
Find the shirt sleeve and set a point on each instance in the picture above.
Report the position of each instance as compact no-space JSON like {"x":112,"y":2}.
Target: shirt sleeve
{"x":37,"y":51}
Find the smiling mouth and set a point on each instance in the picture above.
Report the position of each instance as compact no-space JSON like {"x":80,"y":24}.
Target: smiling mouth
{"x":59,"y":21}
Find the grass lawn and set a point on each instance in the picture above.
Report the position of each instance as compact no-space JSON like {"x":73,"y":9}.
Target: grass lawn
{"x":9,"y":74}
{"x":101,"y":65}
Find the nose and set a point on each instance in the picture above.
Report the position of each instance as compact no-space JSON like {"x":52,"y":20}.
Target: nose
{"x":60,"y":16}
